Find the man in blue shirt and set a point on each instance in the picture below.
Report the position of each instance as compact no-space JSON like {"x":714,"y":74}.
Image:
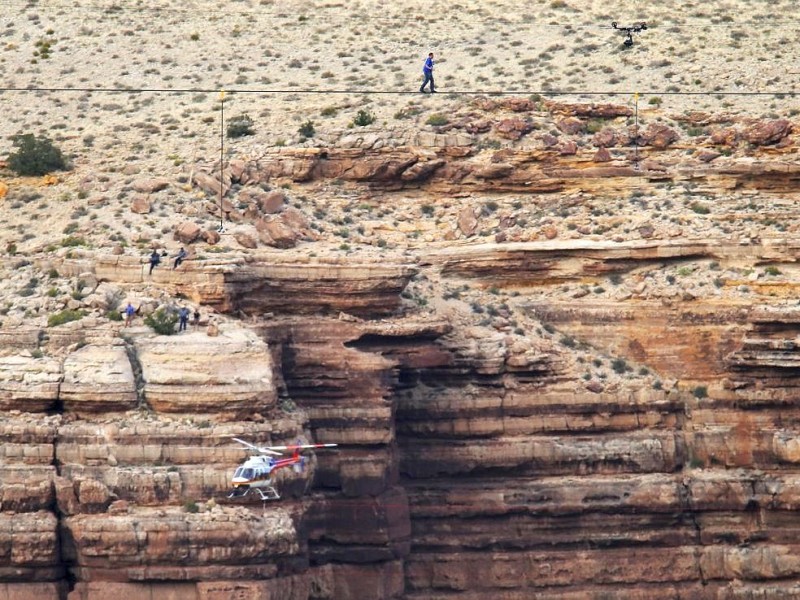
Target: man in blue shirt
{"x":427,"y":71}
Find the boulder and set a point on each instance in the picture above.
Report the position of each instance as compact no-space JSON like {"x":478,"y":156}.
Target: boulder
{"x":658,"y":136}
{"x":605,"y":138}
{"x":187,"y":232}
{"x":210,"y":184}
{"x":140,"y":205}
{"x":151,"y":185}
{"x":725,"y":136}
{"x":278,"y":233}
{"x":467,"y":221}
{"x":767,"y":133}
{"x":513,"y":129}
{"x":246,"y":240}
{"x":568,"y":148}
{"x":211,"y":236}
{"x":550,"y":232}
{"x":478,"y":126}
{"x":571,"y":125}
{"x":646,"y":231}
{"x":295,"y":219}
{"x":272,"y":202}
{"x":602,"y":155}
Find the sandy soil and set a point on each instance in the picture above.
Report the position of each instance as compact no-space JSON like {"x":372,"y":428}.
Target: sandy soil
{"x":156,"y":69}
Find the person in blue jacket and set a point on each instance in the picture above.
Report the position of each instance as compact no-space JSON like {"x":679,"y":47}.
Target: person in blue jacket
{"x":427,"y":71}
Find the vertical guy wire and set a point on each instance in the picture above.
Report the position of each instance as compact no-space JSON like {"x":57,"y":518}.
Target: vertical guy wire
{"x":221,"y":155}
{"x":636,"y":130}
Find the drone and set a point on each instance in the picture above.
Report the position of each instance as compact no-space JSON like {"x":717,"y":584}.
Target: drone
{"x":635,"y":28}
{"x":254,"y":475}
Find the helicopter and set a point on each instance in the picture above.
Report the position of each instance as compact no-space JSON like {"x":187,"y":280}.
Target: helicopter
{"x":255,"y":473}
{"x":635,"y":28}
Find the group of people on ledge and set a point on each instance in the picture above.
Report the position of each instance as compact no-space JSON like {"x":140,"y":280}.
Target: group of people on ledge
{"x":183,"y":316}
{"x":155,"y":259}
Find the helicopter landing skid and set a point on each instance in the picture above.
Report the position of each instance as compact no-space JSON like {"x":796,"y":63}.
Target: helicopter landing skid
{"x":265,"y":493}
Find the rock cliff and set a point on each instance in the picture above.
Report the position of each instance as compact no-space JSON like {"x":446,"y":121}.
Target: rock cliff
{"x":599,"y":405}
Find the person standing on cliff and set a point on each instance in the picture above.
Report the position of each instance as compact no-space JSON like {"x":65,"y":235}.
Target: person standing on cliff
{"x":427,"y":71}
{"x":129,"y":312}
{"x":183,"y":315}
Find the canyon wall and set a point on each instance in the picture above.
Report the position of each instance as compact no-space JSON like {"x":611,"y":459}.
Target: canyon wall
{"x":531,"y":416}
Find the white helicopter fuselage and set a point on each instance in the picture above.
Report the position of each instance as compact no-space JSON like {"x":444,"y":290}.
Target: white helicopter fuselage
{"x":254,"y":472}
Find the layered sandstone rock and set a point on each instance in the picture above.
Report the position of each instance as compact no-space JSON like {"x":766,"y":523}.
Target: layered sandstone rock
{"x":194,"y":373}
{"x":98,"y":379}
{"x":29,"y":384}
{"x":149,"y":544}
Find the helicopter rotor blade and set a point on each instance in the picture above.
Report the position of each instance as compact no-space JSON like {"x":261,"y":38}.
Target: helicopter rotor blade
{"x":303,"y":446}
{"x":267,"y":450}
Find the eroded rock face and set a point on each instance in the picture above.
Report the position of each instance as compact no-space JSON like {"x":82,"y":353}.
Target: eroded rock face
{"x":98,"y":379}
{"x":29,"y":384}
{"x":177,"y":545}
{"x":194,"y":373}
{"x":478,"y":459}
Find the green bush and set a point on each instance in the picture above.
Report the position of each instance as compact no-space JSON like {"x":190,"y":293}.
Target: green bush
{"x":114,"y":315}
{"x":35,"y":155}
{"x":307,"y":129}
{"x":65,"y":316}
{"x":619,"y":365}
{"x":162,"y":321}
{"x":363,"y":118}
{"x":72,"y":241}
{"x":240,"y":126}
{"x":437,"y":120}
{"x":190,"y":506}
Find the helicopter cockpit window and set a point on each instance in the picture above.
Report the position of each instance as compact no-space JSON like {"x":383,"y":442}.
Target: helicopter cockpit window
{"x":241,"y":472}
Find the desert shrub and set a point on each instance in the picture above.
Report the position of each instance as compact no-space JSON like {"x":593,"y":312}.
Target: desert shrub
{"x":363,"y":118}
{"x":700,"y":392}
{"x":190,"y":506}
{"x":65,"y":316}
{"x":73,"y":241}
{"x":162,"y":321}
{"x":437,"y":120}
{"x":35,"y":155}
{"x":240,"y":126}
{"x":307,"y":129}
{"x":619,"y":365}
